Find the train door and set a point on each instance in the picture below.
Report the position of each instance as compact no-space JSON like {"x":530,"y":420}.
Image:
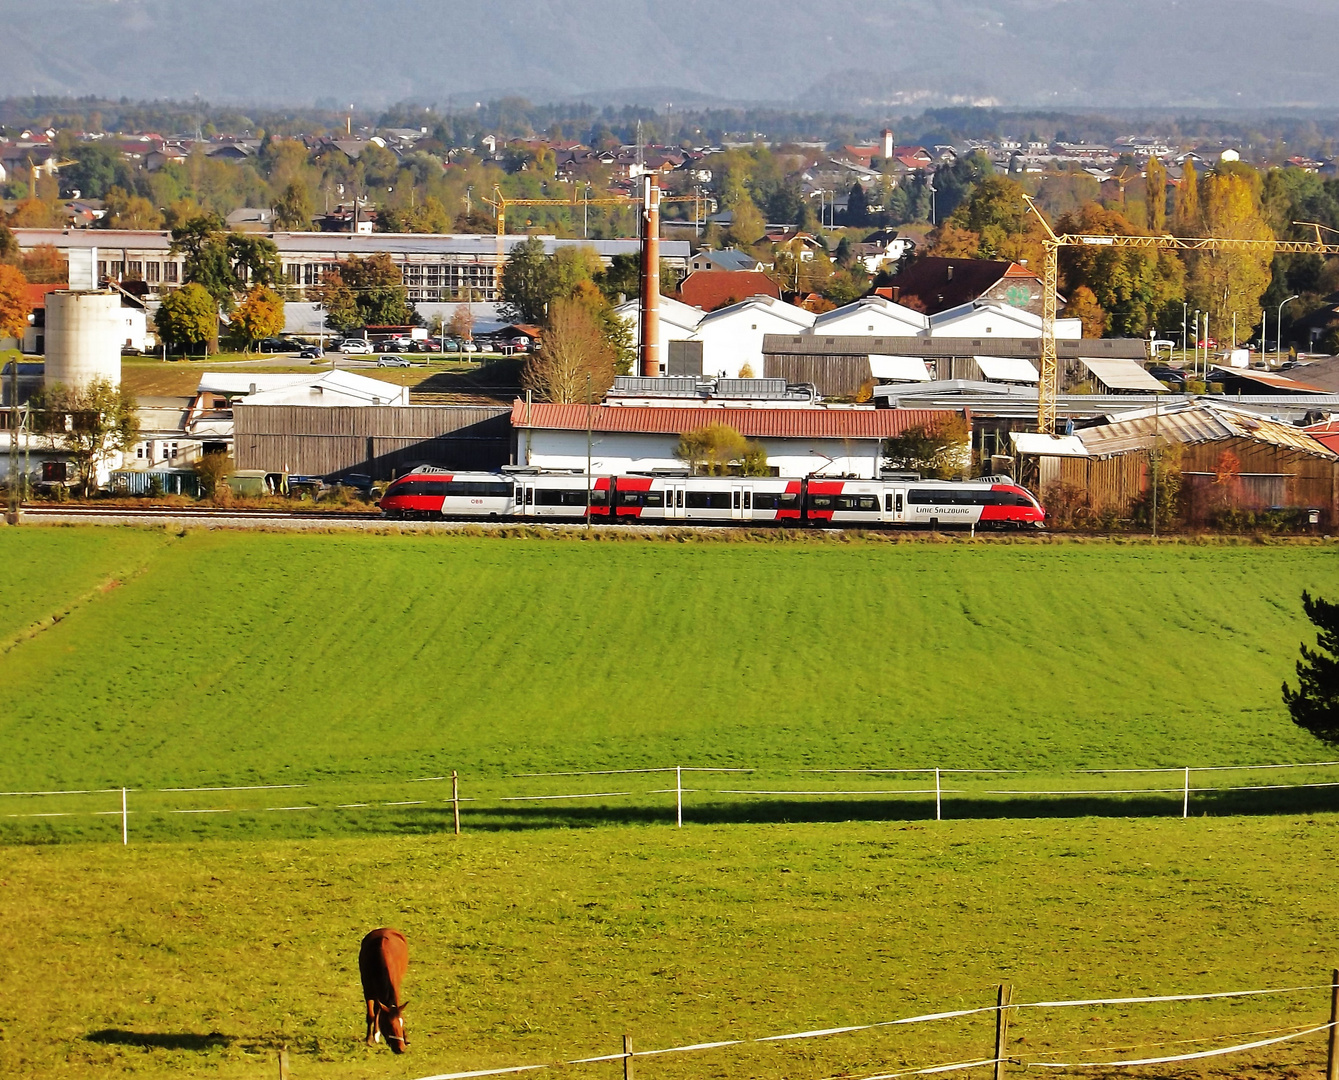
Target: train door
{"x":737,"y":505}
{"x":527,"y":507}
{"x":674,"y":502}
{"x":746,"y":511}
{"x":895,"y":505}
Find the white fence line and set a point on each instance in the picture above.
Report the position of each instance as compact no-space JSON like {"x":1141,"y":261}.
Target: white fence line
{"x":945,"y":1015}
{"x":941,"y":794}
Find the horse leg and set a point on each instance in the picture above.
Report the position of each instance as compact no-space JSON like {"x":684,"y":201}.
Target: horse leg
{"x":373,"y":1028}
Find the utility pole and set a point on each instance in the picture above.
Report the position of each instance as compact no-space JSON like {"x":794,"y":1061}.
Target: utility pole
{"x":13,"y":516}
{"x":588,"y":451}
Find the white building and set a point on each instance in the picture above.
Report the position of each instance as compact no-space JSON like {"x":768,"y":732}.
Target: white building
{"x":872,"y":315}
{"x":997,"y":320}
{"x":799,"y":442}
{"x":732,"y":336}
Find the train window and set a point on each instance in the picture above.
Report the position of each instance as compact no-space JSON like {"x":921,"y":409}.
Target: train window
{"x":654,"y":498}
{"x":560,"y":497}
{"x":736,"y":500}
{"x":421,"y":487}
{"x":711,"y":500}
{"x":629,"y":498}
{"x":820,"y":502}
{"x":888,"y":503}
{"x":899,"y":502}
{"x":519,"y":496}
{"x":530,"y":497}
{"x":748,"y":500}
{"x":678,"y":499}
{"x":790,"y":500}
{"x":766,"y":500}
{"x":857,"y":502}
{"x":473,"y":489}
{"x":599,"y":497}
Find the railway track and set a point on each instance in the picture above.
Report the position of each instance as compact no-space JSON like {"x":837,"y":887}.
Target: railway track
{"x":211,"y":517}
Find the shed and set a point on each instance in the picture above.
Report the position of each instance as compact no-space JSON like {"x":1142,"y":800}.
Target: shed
{"x":1115,"y":374}
{"x":1228,"y":458}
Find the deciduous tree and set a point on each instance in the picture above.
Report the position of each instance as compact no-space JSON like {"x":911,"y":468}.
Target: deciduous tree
{"x":1314,"y":705}
{"x":14,"y":304}
{"x":293,"y":209}
{"x":127,"y":211}
{"x":574,"y":346}
{"x":259,"y":315}
{"x":1083,"y":306}
{"x":365,"y":292}
{"x":940,"y":448}
{"x":711,"y":450}
{"x":90,"y":423}
{"x":1155,"y":184}
{"x":187,"y":317}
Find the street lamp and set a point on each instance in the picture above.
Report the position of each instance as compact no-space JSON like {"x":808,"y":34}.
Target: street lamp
{"x":1278,"y":330}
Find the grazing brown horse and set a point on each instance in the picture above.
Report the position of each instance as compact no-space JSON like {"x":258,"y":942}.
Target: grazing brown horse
{"x":383,"y":959}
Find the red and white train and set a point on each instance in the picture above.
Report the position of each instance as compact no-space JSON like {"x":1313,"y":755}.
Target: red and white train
{"x":990,"y":502}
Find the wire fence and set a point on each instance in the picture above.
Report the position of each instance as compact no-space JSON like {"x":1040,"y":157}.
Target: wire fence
{"x":679,"y":794}
{"x":999,"y":1056}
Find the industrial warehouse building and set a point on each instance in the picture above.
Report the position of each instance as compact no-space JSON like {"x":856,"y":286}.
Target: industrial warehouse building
{"x":1228,"y":458}
{"x":435,"y":267}
{"x":798,"y":441}
{"x":840,"y":364}
{"x":333,"y":442}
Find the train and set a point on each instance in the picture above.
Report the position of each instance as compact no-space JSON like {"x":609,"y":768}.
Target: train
{"x":989,"y":502}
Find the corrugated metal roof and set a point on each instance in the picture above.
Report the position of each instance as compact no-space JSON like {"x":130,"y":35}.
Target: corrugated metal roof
{"x":1195,"y":422}
{"x":1121,"y":374}
{"x":751,"y":423}
{"x":903,"y":368}
{"x":1006,"y":368}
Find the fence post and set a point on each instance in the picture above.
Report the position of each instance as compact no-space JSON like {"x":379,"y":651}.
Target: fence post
{"x":1185,"y":802}
{"x":1332,"y":1058}
{"x":283,"y":1063}
{"x":455,"y":798}
{"x":125,"y":823}
{"x":627,"y":1057}
{"x":678,"y":796}
{"x":1002,"y":1028}
{"x":938,"y":799}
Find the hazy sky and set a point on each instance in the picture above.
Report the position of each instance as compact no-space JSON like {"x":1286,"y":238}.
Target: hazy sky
{"x":871,"y":55}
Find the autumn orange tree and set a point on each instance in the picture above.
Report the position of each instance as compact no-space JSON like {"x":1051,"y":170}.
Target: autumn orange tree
{"x":14,"y":304}
{"x":259,"y":315}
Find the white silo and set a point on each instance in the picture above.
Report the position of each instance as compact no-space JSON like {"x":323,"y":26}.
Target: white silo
{"x":84,"y":334}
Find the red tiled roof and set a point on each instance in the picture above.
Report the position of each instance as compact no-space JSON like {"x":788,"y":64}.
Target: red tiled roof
{"x":1326,"y":433}
{"x":712,"y":289}
{"x":751,"y":423}
{"x":37,"y":294}
{"x":942,"y":283}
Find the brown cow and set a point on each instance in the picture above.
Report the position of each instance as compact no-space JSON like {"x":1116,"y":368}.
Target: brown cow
{"x":383,"y":959}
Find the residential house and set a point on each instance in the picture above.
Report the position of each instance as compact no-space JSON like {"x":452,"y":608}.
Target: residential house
{"x":712,"y":289}
{"x":935,"y":284}
{"x":725,"y":259}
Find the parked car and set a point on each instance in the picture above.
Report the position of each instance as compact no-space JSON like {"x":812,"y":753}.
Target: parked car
{"x":426,"y":345}
{"x":395,"y":361}
{"x":276,"y":345}
{"x":450,"y":345}
{"x":312,"y":352}
{"x":469,"y":346}
{"x":356,"y":347}
{"x":1166,"y":374}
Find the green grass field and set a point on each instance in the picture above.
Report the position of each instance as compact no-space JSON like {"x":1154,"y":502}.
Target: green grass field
{"x":354,"y":663}
{"x":199,"y":960}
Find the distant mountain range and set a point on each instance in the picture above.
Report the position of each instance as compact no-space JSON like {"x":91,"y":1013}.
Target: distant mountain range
{"x":875,"y":57}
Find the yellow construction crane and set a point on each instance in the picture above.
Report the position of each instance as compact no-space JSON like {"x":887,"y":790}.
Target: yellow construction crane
{"x":1048,"y":384}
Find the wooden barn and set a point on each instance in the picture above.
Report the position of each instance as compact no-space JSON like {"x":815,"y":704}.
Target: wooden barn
{"x":1229,"y":458}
